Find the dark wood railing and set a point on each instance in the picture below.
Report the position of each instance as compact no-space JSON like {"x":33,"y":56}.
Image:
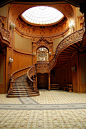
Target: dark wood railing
{"x":16,"y":75}
{"x":31,"y":72}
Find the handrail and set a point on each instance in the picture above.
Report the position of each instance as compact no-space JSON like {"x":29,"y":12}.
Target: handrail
{"x":31,"y":72}
{"x":13,"y":75}
{"x":67,"y":41}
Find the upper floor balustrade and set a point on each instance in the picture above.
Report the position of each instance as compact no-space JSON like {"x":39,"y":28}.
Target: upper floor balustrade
{"x":5,"y":34}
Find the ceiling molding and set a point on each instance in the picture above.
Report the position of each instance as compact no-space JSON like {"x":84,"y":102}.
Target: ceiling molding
{"x":73,"y":2}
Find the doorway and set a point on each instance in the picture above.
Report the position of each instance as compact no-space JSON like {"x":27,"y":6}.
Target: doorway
{"x":42,"y":81}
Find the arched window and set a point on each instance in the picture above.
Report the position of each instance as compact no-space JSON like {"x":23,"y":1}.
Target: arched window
{"x":42,"y":54}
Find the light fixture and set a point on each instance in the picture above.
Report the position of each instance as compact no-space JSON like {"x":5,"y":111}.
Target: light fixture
{"x":73,"y":68}
{"x":49,"y":53}
{"x":12,"y":26}
{"x":10,"y":60}
{"x":71,"y":25}
{"x":34,"y":54}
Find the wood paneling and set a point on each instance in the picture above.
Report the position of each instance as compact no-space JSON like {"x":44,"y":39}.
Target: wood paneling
{"x":83,"y":70}
{"x":23,"y":44}
{"x":2,"y":74}
{"x":82,"y":62}
{"x":64,"y":73}
{"x":21,"y":60}
{"x":3,"y":11}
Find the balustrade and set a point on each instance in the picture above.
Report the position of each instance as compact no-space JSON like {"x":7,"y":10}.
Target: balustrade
{"x":5,"y":33}
{"x":15,"y":75}
{"x":42,"y":67}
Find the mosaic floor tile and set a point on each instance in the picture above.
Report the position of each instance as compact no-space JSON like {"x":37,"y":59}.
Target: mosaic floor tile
{"x":70,"y":118}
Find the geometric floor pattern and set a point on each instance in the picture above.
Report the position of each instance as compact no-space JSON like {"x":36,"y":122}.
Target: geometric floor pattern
{"x":59,"y":97}
{"x":59,"y":118}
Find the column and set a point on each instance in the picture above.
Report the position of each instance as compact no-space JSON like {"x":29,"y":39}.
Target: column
{"x":49,"y":82}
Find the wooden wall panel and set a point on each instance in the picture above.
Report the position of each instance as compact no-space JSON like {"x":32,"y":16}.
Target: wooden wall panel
{"x":8,"y":67}
{"x":24,"y":44}
{"x":74,"y":62}
{"x":1,"y":70}
{"x":3,"y":11}
{"x":64,"y":75}
{"x":56,"y":42}
{"x":2,"y":73}
{"x":21,"y":60}
{"x":82,"y":62}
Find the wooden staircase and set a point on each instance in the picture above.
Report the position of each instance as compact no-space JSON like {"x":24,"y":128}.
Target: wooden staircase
{"x":22,"y":88}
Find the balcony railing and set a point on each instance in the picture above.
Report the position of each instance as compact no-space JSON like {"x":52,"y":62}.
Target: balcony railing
{"x":4,"y":33}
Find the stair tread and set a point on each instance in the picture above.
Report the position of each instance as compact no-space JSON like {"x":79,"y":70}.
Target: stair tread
{"x":22,"y":88}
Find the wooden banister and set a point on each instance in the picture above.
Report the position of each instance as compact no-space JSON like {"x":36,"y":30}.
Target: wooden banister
{"x":31,"y":72}
{"x":15,"y":75}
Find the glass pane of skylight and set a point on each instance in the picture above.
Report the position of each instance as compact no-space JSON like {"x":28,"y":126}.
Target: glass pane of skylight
{"x":42,"y":15}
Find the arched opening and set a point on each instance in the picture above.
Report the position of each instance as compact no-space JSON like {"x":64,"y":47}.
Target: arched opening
{"x":42,"y":54}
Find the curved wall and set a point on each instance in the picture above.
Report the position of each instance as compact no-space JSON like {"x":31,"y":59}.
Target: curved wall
{"x":23,"y":44}
{"x":22,"y":53}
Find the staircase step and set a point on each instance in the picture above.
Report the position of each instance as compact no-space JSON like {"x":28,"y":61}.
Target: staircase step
{"x":18,"y":86}
{"x":21,"y":88}
{"x":16,"y":91}
{"x":21,"y":93}
{"x":17,"y":96}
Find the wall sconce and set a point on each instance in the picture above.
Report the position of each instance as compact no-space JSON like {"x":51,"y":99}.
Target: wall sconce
{"x":12,"y":26}
{"x":73,"y":68}
{"x":34,"y":54}
{"x":71,"y":25}
{"x":10,"y":60}
{"x":49,"y":53}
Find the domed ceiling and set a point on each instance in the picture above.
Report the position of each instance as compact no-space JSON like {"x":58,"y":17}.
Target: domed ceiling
{"x":37,"y":21}
{"x":42,"y":15}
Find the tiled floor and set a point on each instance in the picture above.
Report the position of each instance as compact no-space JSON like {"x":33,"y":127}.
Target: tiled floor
{"x":59,"y":97}
{"x":5,"y":100}
{"x":45,"y":119}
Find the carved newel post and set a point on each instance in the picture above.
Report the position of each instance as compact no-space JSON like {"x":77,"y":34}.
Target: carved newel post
{"x":49,"y":82}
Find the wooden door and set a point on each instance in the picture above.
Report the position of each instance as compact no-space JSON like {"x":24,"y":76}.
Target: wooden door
{"x":42,"y":81}
{"x":2,"y":74}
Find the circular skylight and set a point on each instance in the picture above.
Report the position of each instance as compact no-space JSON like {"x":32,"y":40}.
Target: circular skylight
{"x":42,"y":15}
